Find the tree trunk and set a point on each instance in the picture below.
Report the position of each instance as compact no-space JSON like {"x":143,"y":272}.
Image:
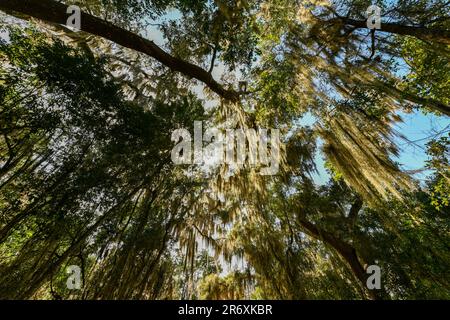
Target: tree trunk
{"x":346,"y":251}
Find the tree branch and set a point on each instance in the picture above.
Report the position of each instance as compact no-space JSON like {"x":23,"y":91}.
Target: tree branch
{"x":54,"y":12}
{"x":354,"y":210}
{"x":431,"y":34}
{"x":213,"y":60}
{"x":345,"y":250}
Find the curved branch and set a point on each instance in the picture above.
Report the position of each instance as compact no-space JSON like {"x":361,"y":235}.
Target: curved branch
{"x":345,"y":250}
{"x":55,"y":12}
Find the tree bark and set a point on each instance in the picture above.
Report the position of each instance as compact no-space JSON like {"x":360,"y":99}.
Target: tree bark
{"x":346,"y":251}
{"x":55,"y":12}
{"x":430,"y":34}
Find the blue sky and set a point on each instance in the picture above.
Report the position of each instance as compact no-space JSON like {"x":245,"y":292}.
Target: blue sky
{"x":417,"y":127}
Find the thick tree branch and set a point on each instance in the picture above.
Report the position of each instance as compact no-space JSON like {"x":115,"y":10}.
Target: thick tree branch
{"x":430,"y":34}
{"x":55,"y":12}
{"x":345,"y":250}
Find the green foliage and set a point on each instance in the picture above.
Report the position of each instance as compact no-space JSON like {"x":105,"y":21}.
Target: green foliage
{"x":67,"y":178}
{"x":429,"y":74}
{"x":438,"y":150}
{"x":86,"y":176}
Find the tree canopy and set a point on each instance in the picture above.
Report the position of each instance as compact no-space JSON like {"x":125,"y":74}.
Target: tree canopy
{"x":86,"y":137}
